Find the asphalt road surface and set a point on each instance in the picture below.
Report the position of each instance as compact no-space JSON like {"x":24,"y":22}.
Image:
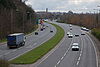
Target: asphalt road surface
{"x":32,"y":41}
{"x":63,"y":56}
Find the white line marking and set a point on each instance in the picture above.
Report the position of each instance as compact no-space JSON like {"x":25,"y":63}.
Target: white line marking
{"x":62,"y":58}
{"x":79,"y":58}
{"x":80,"y":55}
{"x":14,"y":50}
{"x":52,"y":52}
{"x":77,"y":62}
{"x":34,"y":43}
{"x":31,"y":46}
{"x":58,"y":62}
{"x":55,"y":66}
{"x":81,"y":52}
{"x":65,"y":53}
{"x":94,"y":49}
{"x":6,"y":53}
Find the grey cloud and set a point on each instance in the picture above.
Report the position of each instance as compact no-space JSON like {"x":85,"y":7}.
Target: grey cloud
{"x":61,"y":4}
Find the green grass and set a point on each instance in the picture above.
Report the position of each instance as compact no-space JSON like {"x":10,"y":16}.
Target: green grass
{"x":96,"y":33}
{"x":3,"y":40}
{"x":35,"y":54}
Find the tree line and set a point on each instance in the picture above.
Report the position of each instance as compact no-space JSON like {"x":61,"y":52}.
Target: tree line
{"x":88,"y":20}
{"x":16,"y":16}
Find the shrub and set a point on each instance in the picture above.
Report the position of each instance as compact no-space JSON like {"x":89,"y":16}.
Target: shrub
{"x":4,"y":63}
{"x":96,"y":33}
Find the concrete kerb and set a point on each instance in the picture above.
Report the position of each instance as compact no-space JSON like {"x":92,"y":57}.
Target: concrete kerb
{"x":97,"y":43}
{"x":48,"y":54}
{"x":44,"y":57}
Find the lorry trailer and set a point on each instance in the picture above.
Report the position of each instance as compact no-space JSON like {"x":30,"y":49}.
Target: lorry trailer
{"x":16,"y":40}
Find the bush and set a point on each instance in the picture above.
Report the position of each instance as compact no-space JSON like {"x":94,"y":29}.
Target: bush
{"x":96,"y":33}
{"x":4,"y":63}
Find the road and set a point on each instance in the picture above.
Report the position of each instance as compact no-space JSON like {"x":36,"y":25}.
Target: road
{"x":63,"y":56}
{"x":32,"y":41}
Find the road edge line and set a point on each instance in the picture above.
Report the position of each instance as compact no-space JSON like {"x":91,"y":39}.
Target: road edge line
{"x":88,"y":35}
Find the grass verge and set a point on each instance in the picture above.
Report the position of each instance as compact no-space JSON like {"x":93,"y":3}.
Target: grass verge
{"x":96,"y":33}
{"x":35,"y":54}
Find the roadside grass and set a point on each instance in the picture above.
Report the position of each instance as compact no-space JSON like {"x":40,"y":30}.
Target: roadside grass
{"x":35,"y":54}
{"x":96,"y":33}
{"x":3,"y":40}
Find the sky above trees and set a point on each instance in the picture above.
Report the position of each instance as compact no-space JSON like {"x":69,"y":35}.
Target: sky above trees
{"x":65,"y":5}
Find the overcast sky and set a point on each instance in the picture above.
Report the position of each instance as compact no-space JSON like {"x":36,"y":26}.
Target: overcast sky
{"x":65,"y":5}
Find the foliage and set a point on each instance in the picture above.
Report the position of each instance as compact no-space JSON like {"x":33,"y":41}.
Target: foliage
{"x":7,"y":4}
{"x":4,"y":63}
{"x":13,"y":18}
{"x":96,"y":33}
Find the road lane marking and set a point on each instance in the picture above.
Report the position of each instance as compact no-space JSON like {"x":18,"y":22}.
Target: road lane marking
{"x":31,"y":46}
{"x":65,"y":53}
{"x":58,"y":62}
{"x":53,"y":50}
{"x":35,"y":44}
{"x":6,"y":53}
{"x":77,"y":62}
{"x":62,"y":58}
{"x":80,"y":55}
{"x":14,"y":50}
{"x":94,"y":49}
{"x":79,"y":58}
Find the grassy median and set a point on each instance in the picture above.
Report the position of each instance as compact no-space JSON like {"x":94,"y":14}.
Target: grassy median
{"x":35,"y":54}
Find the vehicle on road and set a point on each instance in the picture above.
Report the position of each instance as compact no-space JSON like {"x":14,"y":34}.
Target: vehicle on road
{"x":68,"y":33}
{"x":16,"y":40}
{"x":70,"y":28}
{"x":76,"y":35}
{"x":70,"y":25}
{"x":83,"y":33}
{"x":70,"y":36}
{"x":75,"y":47}
{"x":36,"y":33}
{"x":41,"y":29}
{"x":85,"y":29}
{"x":75,"y":44}
{"x":51,"y":31}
